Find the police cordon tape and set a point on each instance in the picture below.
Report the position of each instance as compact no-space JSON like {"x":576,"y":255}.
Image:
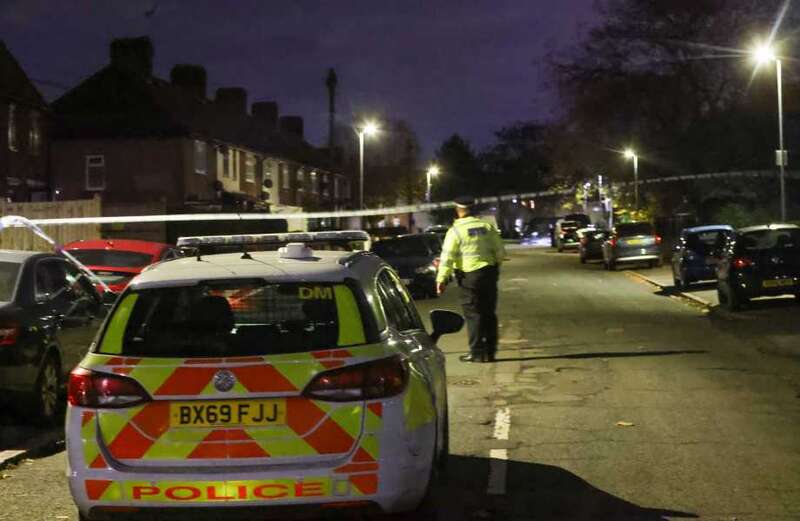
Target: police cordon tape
{"x":412,"y":208}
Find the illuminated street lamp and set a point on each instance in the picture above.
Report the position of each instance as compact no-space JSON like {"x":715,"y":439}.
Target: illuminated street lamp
{"x":764,"y":54}
{"x":433,"y":171}
{"x":368,"y":128}
{"x":630,"y":154}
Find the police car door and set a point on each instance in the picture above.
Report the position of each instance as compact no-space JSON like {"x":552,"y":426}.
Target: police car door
{"x":402,"y":316}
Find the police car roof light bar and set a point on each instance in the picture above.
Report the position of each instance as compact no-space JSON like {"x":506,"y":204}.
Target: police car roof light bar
{"x":272,"y":238}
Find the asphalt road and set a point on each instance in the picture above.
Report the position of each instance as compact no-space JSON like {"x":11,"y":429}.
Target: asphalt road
{"x":610,"y":401}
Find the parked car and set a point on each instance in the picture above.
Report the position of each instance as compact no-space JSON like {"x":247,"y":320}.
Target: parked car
{"x":438,"y":229}
{"x":270,"y":385}
{"x":697,"y":254}
{"x":576,"y":220}
{"x":117,"y":261}
{"x":566,"y":236}
{"x":49,"y":314}
{"x":630,"y":243}
{"x":760,"y":261}
{"x":416,"y":259}
{"x":590,"y":243}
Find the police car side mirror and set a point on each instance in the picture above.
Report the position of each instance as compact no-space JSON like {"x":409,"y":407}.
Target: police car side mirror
{"x":445,"y":322}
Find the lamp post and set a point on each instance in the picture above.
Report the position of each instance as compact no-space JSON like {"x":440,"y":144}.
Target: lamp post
{"x":764,"y":54}
{"x":630,"y":154}
{"x":368,"y":128}
{"x":433,"y":171}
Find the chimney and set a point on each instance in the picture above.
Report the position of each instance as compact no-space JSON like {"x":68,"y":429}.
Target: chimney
{"x":266,"y":112}
{"x":233,"y":100}
{"x":292,"y":125}
{"x":133,"y":54}
{"x":191,"y":78}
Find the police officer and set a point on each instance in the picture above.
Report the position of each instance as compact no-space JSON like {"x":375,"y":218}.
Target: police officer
{"x":473,"y":251}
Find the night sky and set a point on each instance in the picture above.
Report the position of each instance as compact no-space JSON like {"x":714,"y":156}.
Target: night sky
{"x":444,"y":66}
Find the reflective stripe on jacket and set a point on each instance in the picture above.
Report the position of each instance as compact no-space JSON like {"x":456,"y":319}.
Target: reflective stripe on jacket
{"x":470,"y":244}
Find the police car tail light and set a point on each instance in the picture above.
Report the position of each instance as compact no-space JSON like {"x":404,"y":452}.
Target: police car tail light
{"x":658,"y":239}
{"x":100,"y":390}
{"x":613,"y":242}
{"x":742,"y":262}
{"x":379,"y":379}
{"x":9,"y":332}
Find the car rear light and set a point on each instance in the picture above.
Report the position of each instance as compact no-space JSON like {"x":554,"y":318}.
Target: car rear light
{"x":9,"y":333}
{"x":658,"y":239}
{"x":101,"y":390}
{"x":613,"y":242}
{"x":379,"y":379}
{"x":742,"y":262}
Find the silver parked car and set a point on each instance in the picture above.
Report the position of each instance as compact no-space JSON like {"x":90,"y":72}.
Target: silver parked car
{"x":635,"y":242}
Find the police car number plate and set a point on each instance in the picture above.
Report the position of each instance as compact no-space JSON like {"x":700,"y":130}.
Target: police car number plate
{"x":227,"y":413}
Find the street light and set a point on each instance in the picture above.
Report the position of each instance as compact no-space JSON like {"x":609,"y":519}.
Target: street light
{"x":630,"y":154}
{"x":368,"y":128}
{"x":764,"y":54}
{"x":433,"y":171}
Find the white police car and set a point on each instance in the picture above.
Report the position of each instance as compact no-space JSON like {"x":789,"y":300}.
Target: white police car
{"x":259,"y":381}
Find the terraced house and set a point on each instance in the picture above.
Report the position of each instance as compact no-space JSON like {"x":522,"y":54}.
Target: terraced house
{"x":148,"y":145}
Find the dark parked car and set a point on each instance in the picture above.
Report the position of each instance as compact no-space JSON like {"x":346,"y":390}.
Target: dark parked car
{"x":416,"y":259}
{"x":566,"y":234}
{"x":697,"y":254}
{"x":49,"y":314}
{"x":630,"y":243}
{"x":579,"y":220}
{"x":590,"y":245}
{"x":761,"y":261}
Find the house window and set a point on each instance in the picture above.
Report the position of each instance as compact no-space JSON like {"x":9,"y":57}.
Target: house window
{"x":226,"y":162}
{"x":266,"y":171}
{"x":284,"y":172}
{"x":300,"y":179}
{"x":200,"y":158}
{"x":314,"y":182}
{"x":35,"y":134}
{"x":12,"y":127}
{"x":235,"y":164}
{"x":336,"y":187}
{"x":95,"y":172}
{"x":250,"y":168}
{"x":326,"y":190}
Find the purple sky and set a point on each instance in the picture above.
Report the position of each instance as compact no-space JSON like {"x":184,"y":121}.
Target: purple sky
{"x":445,"y":66}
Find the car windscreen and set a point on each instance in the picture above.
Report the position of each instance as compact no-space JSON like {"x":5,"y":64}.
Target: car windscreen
{"x":403,"y":247}
{"x":112,"y":258}
{"x":705,"y":243}
{"x":631,"y":229}
{"x":236,"y":318}
{"x":9,"y":273}
{"x":772,"y":240}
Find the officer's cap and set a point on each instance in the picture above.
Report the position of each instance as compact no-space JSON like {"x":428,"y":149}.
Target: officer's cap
{"x":465,"y":201}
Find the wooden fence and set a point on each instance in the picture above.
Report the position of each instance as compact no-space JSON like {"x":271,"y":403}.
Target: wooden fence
{"x":24,"y":239}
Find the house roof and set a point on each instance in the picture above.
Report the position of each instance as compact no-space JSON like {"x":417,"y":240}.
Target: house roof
{"x":15,"y":86}
{"x":119,"y":103}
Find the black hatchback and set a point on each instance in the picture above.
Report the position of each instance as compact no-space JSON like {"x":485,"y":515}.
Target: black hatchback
{"x":760,"y":261}
{"x":416,"y":259}
{"x":49,"y":314}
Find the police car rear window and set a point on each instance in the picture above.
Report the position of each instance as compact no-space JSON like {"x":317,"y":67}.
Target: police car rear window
{"x":236,"y":318}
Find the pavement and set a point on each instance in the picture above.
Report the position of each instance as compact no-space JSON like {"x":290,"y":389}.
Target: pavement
{"x":612,"y":399}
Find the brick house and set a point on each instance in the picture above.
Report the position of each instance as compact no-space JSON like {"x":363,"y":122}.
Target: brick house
{"x":24,"y":142}
{"x":140,"y":141}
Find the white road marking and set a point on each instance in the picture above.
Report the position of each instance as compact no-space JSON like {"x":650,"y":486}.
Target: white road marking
{"x":498,"y":458}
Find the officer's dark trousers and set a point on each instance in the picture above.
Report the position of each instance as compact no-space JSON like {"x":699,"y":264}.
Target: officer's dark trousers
{"x":479,"y":302}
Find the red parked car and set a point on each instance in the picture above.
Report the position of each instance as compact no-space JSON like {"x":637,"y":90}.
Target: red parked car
{"x":117,"y":261}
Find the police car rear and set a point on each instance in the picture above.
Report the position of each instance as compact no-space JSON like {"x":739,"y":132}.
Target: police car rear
{"x":251,"y":381}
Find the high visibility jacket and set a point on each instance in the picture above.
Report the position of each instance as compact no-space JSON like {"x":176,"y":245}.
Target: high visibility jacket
{"x":470,"y":244}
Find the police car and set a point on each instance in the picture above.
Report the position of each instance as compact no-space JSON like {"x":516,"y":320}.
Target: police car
{"x":259,"y":381}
